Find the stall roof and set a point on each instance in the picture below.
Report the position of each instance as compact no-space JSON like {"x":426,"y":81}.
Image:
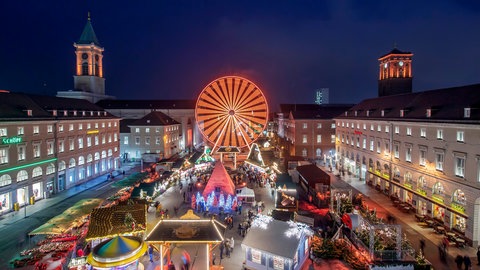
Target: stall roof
{"x":110,"y":221}
{"x":187,"y":231}
{"x":272,"y":239}
{"x":313,"y":175}
{"x":245,"y":192}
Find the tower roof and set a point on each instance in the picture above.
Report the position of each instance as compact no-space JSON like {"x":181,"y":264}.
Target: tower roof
{"x":395,"y":51}
{"x":88,"y":35}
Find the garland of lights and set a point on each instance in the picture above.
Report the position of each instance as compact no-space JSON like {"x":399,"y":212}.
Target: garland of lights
{"x":297,"y":229}
{"x":261,"y":221}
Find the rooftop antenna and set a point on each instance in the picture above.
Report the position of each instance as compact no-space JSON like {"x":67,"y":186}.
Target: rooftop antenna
{"x":89,"y":16}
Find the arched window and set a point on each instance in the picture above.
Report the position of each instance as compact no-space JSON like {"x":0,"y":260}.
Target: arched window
{"x":5,"y":180}
{"x":109,"y":152}
{"x":104,"y":154}
{"x":396,"y":172}
{"x":386,"y":168}
{"x":89,"y":158}
{"x":61,"y":165}
{"x":22,"y":176}
{"x":81,"y":160}
{"x":85,"y":68}
{"x":97,"y":156}
{"x":459,"y":197}
{"x":72,"y":163}
{"x":408,"y":178}
{"x":379,"y":166}
{"x":438,"y":189}
{"x":50,"y":169}
{"x":37,"y":172}
{"x":370,"y":164}
{"x":318,"y":152}
{"x":422,"y":183}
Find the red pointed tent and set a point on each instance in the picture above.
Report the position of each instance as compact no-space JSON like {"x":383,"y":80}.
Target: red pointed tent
{"x":220,"y":179}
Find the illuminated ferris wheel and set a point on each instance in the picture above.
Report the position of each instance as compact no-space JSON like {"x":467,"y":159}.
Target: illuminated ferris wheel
{"x":231,"y":112}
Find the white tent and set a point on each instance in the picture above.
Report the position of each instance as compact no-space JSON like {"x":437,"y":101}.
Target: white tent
{"x":246,"y":194}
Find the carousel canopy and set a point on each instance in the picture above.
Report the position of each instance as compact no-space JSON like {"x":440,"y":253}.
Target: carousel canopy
{"x":69,"y":218}
{"x":118,"y":251}
{"x":187,"y":231}
{"x":221,"y":180}
{"x":111,"y":221}
{"x":272,"y":239}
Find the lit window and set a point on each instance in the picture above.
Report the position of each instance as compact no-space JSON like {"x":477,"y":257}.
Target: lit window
{"x":147,"y":130}
{"x":333,"y":125}
{"x":80,"y":126}
{"x":137,"y":140}
{"x":96,"y":140}
{"x":36,"y":129}
{"x":319,"y":138}
{"x":396,"y":151}
{"x":61,"y":146}
{"x":21,"y":152}
{"x":70,"y":127}
{"x":3,"y":155}
{"x":96,"y":125}
{"x":80,"y":143}
{"x":438,"y":189}
{"x":115,"y":138}
{"x":372,"y":144}
{"x":36,"y":150}
{"x":460,"y":166}
{"x":89,"y":141}
{"x":137,"y":130}
{"x":440,"y":134}
{"x":409,"y":131}
{"x":71,"y":144}
{"x":460,"y":137}
{"x":364,"y":144}
{"x":125,"y":140}
{"x":387,"y":129}
{"x":319,"y":125}
{"x":89,"y":125}
{"x":397,"y":130}
{"x":423,"y":132}
{"x":103,"y":124}
{"x":372,"y":127}
{"x":304,"y":138}
{"x":20,"y":131}
{"x":423,"y":157}
{"x":304,"y":152}
{"x":439,"y":161}
{"x":50,"y":148}
{"x":147,"y":140}
{"x":50,"y":129}
{"x":3,"y":132}
{"x":379,"y":128}
{"x":60,"y":128}
{"x":379,"y":146}
{"x":408,"y":154}
{"x":305,"y":125}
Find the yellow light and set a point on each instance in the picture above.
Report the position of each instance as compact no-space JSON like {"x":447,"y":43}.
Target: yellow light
{"x":93,"y":131}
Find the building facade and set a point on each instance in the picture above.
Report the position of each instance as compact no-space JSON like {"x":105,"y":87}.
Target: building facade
{"x":422,"y":148}
{"x":51,"y":144}
{"x":151,"y":138}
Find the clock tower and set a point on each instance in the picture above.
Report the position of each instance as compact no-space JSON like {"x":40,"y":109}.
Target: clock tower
{"x":395,"y":73}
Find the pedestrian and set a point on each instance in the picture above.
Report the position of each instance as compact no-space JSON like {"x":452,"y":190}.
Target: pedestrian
{"x":467,"y":262}
{"x":478,"y":255}
{"x":422,"y":246}
{"x":232,"y":244}
{"x":459,"y":261}
{"x":150,"y":252}
{"x":222,"y":247}
{"x":227,"y":248}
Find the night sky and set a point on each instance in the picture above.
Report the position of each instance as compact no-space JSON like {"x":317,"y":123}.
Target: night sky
{"x":172,"y":49}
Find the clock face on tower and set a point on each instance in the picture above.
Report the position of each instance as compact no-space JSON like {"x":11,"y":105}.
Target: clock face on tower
{"x":385,"y":66}
{"x":84,"y":55}
{"x":400,"y":63}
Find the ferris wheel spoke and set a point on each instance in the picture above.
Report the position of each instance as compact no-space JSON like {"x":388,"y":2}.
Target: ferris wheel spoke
{"x":252,"y":125}
{"x":250,"y":101}
{"x":220,"y":134}
{"x":242,"y":132}
{"x":211,"y":106}
{"x":218,"y":97}
{"x":213,"y":125}
{"x":243,"y":94}
{"x":223,"y":92}
{"x":238,"y":93}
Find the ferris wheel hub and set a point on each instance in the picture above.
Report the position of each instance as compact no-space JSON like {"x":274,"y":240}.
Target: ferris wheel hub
{"x":231,"y":112}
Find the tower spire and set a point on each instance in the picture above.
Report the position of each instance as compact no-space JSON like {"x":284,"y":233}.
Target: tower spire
{"x":89,"y":16}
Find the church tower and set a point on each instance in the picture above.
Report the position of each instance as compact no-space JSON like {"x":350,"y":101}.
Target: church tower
{"x":89,"y":56}
{"x":395,"y":73}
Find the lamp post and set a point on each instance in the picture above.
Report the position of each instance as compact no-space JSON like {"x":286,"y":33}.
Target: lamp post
{"x":25,"y":200}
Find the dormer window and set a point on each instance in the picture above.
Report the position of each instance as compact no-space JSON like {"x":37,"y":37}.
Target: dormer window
{"x":104,"y":113}
{"x":402,"y":113}
{"x":429,"y":113}
{"x":83,"y":113}
{"x":98,"y":113}
{"x":74,"y":113}
{"x":346,"y":113}
{"x":54,"y":112}
{"x":65,"y":113}
{"x":383,"y":113}
{"x":29,"y":112}
{"x":356,"y":113}
{"x":91,"y":113}
{"x":466,"y":112}
{"x":368,"y":113}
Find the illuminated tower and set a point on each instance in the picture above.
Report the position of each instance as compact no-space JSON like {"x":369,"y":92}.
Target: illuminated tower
{"x":89,"y":69}
{"x":321,"y":96}
{"x":395,"y":73}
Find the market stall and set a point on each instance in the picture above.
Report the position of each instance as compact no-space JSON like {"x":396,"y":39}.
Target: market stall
{"x":246,"y":195}
{"x":274,"y":244}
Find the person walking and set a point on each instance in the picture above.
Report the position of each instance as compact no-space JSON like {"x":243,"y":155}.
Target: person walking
{"x":222,"y":247}
{"x":227,"y":248}
{"x":232,"y":244}
{"x":459,"y":261}
{"x":478,"y":255}
{"x":467,"y":262}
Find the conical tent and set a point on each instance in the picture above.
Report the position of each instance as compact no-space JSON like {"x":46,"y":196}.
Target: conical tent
{"x":219,"y":180}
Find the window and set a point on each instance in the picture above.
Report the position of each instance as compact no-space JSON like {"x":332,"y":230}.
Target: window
{"x":89,"y":125}
{"x":89,"y":141}
{"x":358,"y":141}
{"x":459,"y":197}
{"x":3,"y":155}
{"x":466,"y":112}
{"x":96,"y":140}
{"x":409,"y":131}
{"x":371,"y":127}
{"x":460,"y":166}
{"x":115,"y":138}
{"x":125,"y":140}
{"x":319,"y":125}
{"x":50,"y":169}
{"x":80,"y":143}
{"x":304,"y":152}
{"x":423,"y":157}
{"x":71,"y":144}
{"x":438,"y":189}
{"x":50,"y":148}
{"x":333,"y":125}
{"x":387,"y":148}
{"x":396,"y":151}
{"x":21,"y":152}
{"x":22,"y":176}
{"x":157,"y":130}
{"x":304,"y":138}
{"x":20,"y":131}
{"x":460,"y":135}
{"x":36,"y":129}
{"x":80,"y":126}
{"x":319,"y":138}
{"x":364,"y":126}
{"x":423,"y":132}
{"x":137,"y":140}
{"x":387,"y":129}
{"x":372,"y":144}
{"x":408,"y":154}
{"x":147,"y":140}
{"x":103,"y":124}
{"x":84,"y":68}
{"x":147,"y":130}
{"x":36,"y":150}
{"x":397,"y":130}
{"x":440,"y":134}
{"x":104,"y":139}
{"x":96,"y":125}
{"x":61,"y":146}
{"x":305,"y":125}
{"x":379,"y":147}
{"x":3,"y":132}
{"x":439,"y":161}
{"x":81,"y":160}
{"x":157,"y":140}
{"x":109,"y":124}
{"x":379,"y":128}
{"x":109,"y":138}
{"x":364,"y":144}
{"x":70,"y":127}
{"x":60,"y":128}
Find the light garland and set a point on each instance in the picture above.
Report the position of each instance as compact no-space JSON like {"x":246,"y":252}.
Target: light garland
{"x":297,"y":229}
{"x":262,"y":221}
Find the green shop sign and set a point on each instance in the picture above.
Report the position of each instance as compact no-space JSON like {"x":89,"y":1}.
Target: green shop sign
{"x":457,"y":207}
{"x":437,"y":198}
{"x":421,"y":192}
{"x":12,"y":140}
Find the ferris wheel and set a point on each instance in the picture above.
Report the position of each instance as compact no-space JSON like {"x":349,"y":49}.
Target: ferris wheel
{"x":231,"y":111}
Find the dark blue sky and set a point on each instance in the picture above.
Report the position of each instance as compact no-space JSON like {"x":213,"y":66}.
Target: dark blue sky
{"x":172,"y":49}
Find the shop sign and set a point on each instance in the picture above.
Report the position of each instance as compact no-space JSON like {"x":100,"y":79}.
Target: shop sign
{"x":357,"y":132}
{"x":386,"y":176}
{"x":93,"y":131}
{"x":12,"y":140}
{"x":458,"y":207}
{"x":437,"y":198}
{"x":407,"y":185}
{"x":78,"y":261}
{"x":421,"y":192}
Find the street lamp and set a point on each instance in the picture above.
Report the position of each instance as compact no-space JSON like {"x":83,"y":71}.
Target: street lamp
{"x":25,"y":200}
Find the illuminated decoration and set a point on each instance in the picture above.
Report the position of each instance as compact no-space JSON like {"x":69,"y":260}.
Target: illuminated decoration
{"x":221,"y":200}
{"x":231,"y":111}
{"x":93,"y":131}
{"x":12,"y":140}
{"x":255,"y":157}
{"x":28,"y":165}
{"x":437,"y":198}
{"x":298,"y":229}
{"x":228,"y":202}
{"x":458,"y":207}
{"x":120,"y":251}
{"x":261,"y":221}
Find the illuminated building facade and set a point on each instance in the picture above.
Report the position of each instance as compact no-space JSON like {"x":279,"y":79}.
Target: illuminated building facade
{"x":153,"y":137}
{"x":395,"y":73}
{"x":51,"y":144}
{"x":421,"y":147}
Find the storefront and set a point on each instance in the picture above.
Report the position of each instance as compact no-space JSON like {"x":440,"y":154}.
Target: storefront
{"x":438,"y":212}
{"x":421,"y":207}
{"x":22,"y":196}
{"x":5,"y":203}
{"x":38,"y":190}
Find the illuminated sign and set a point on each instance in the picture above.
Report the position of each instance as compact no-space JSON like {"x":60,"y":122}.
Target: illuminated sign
{"x":458,"y":207}
{"x":437,"y":198}
{"x":421,"y":192}
{"x":357,"y":132}
{"x":93,"y":131}
{"x":12,"y":140}
{"x":408,"y":185}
